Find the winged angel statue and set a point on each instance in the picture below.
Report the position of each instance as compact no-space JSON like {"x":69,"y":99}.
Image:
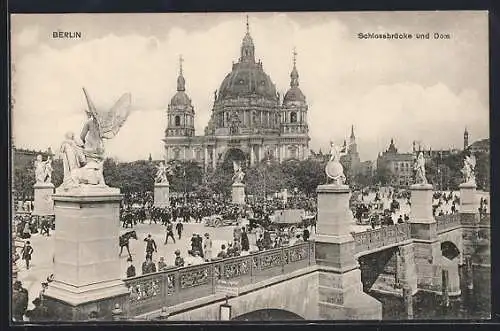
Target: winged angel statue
{"x":83,"y":160}
{"x":468,"y":169}
{"x":162,"y":172}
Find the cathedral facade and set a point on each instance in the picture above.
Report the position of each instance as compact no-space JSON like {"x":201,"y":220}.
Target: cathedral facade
{"x":249,"y":120}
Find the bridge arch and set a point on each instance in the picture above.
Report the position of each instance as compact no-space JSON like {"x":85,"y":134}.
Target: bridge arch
{"x":452,"y":241}
{"x":449,"y":250}
{"x":268,"y":315}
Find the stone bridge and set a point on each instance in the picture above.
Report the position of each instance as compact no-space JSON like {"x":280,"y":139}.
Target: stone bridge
{"x":327,"y":278}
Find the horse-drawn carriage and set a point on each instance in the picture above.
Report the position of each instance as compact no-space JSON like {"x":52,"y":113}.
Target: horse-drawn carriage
{"x":290,"y":221}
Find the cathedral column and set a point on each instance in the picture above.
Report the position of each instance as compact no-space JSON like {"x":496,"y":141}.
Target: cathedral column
{"x":259,"y":153}
{"x":252,"y":155}
{"x":205,"y":154}
{"x":213,"y":157}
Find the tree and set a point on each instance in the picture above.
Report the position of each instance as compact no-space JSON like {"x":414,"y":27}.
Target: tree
{"x":309,"y":174}
{"x":187,"y":176}
{"x":137,"y":176}
{"x":483,"y":171}
{"x":264,"y":178}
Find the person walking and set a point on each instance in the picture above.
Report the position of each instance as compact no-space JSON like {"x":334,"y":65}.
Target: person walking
{"x":26,"y":253}
{"x":207,"y":248}
{"x":245,"y":243}
{"x":179,"y":227}
{"x":150,"y":246}
{"x":170,"y":233}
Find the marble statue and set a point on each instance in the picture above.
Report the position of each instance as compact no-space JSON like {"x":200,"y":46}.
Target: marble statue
{"x":48,"y":170}
{"x":161,"y":173}
{"x":39,"y":169}
{"x":334,"y":169}
{"x":72,"y":157}
{"x":468,"y":169}
{"x":43,"y":170}
{"x":238,"y":173}
{"x":419,"y":167}
{"x":83,"y":161}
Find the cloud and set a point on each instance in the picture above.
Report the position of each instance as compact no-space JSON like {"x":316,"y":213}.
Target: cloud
{"x":408,"y":90}
{"x":27,"y":37}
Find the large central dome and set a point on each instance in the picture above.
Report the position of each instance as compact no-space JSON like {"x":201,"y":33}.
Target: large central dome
{"x":247,"y":77}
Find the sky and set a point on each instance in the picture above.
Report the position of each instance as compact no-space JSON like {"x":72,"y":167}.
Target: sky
{"x":410,"y":90}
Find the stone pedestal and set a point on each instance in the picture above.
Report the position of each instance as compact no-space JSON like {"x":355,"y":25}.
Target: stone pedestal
{"x":476,"y":232}
{"x":238,"y":193}
{"x":340,"y":289}
{"x":162,"y":195}
{"x":421,"y":203}
{"x":426,"y":245}
{"x":406,"y":269}
{"x":469,"y":200}
{"x":44,"y":205}
{"x":334,"y":216}
{"x":87,"y":269}
{"x":453,"y":276}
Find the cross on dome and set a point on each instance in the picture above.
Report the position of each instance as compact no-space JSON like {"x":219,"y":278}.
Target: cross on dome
{"x":181,"y":59}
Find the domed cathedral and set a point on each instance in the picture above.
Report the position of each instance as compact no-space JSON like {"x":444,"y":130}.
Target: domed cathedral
{"x":248,"y":122}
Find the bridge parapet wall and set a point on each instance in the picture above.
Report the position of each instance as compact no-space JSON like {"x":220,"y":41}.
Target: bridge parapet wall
{"x":372,"y":240}
{"x":171,"y":287}
{"x":447,"y":222}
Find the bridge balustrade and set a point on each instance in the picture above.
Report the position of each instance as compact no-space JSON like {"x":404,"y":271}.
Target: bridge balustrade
{"x":373,"y":239}
{"x":447,"y":222}
{"x":484,"y":218}
{"x":177,"y":285}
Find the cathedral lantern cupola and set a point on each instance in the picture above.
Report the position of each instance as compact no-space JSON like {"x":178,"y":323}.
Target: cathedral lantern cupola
{"x":247,"y":47}
{"x":180,"y":111}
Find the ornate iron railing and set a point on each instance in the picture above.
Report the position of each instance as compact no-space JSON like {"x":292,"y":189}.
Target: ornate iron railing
{"x":484,"y":218}
{"x":446,"y":222}
{"x":385,"y":236}
{"x":177,"y":285}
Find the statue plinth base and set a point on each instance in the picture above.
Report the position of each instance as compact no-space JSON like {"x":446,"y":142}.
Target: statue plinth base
{"x":238,"y":193}
{"x":162,"y":195}
{"x":44,"y":205}
{"x":334,"y":216}
{"x":421,"y":203}
{"x":87,"y":269}
{"x":469,"y":202}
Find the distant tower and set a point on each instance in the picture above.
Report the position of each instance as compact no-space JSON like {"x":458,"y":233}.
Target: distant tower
{"x":466,"y":139}
{"x":294,"y":117}
{"x":180,"y":110}
{"x":353,"y":148}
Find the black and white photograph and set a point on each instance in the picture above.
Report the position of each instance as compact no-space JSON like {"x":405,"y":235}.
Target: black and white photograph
{"x":260,"y":166}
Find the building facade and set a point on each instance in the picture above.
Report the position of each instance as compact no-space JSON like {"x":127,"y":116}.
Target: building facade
{"x":249,"y":119}
{"x":400,"y":165}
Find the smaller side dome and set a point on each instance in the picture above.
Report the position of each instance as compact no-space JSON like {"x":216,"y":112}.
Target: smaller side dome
{"x":180,"y":99}
{"x":294,"y":94}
